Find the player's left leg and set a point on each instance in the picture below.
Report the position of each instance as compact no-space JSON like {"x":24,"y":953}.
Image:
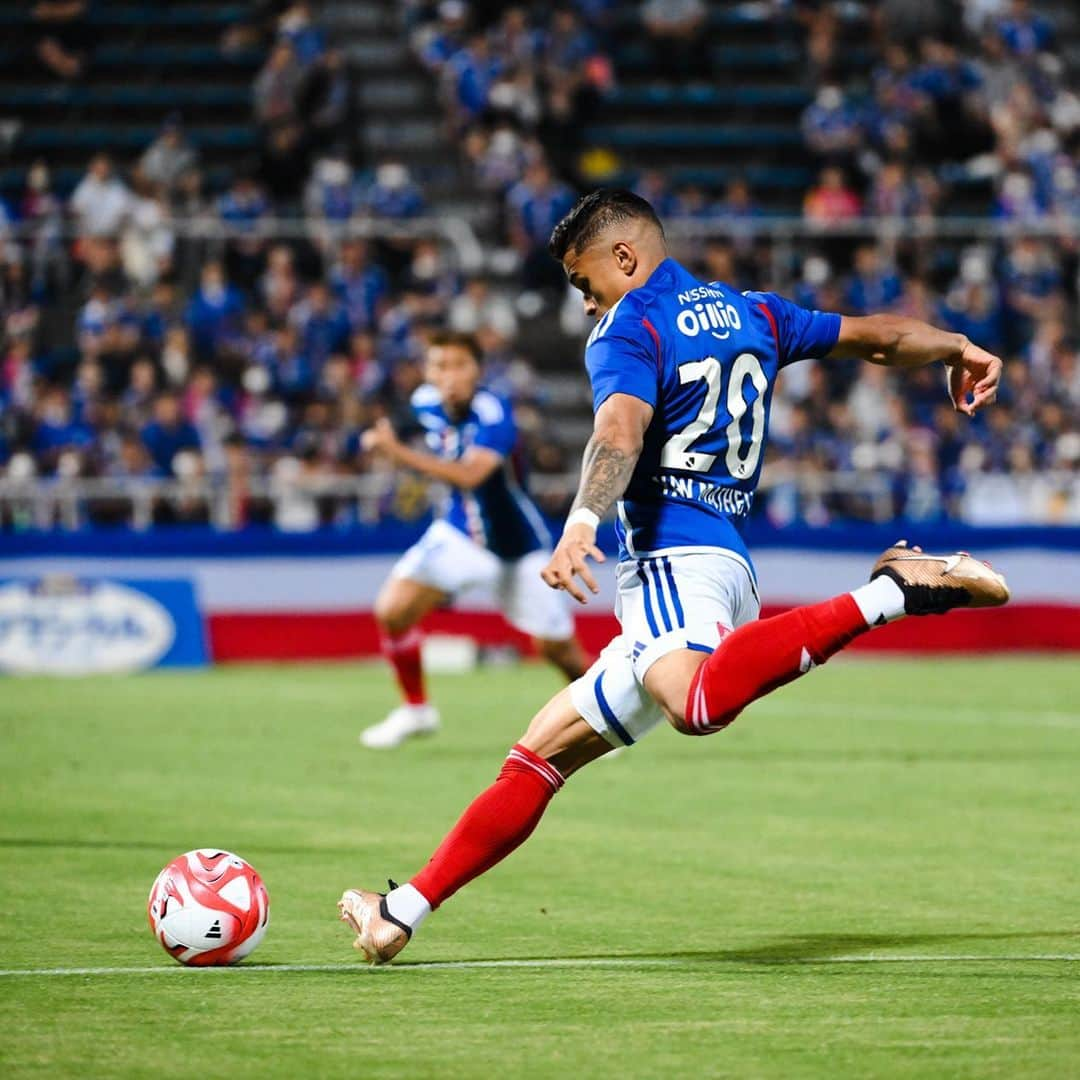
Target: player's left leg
{"x":605,"y":709}
{"x":558,"y":743}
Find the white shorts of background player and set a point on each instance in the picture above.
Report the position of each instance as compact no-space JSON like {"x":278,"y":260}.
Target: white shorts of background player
{"x":446,"y":559}
{"x":675,"y":599}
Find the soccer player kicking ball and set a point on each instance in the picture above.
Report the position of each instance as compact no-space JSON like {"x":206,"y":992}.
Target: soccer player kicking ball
{"x":682,"y":375}
{"x":489,"y":534}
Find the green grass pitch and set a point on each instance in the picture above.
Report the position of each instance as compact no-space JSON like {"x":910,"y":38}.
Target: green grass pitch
{"x":872,"y":873}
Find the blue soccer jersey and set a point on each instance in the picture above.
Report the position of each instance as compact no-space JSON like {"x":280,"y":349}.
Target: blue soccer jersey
{"x":498,"y":514}
{"x":705,"y":357}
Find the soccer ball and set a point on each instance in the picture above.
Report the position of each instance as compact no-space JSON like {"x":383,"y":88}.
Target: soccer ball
{"x":208,"y":908}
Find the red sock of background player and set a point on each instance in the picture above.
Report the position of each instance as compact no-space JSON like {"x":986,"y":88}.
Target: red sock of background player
{"x":403,"y":652}
{"x":760,"y":656}
{"x":497,"y":821}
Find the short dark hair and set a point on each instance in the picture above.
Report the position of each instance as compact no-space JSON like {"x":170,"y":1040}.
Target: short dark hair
{"x":457,"y":339}
{"x":593,"y":213}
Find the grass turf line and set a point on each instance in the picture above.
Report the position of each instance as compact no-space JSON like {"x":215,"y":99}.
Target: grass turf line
{"x":730,"y":890}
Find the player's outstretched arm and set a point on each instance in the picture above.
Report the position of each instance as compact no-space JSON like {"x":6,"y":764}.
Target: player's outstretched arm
{"x":610,"y":457}
{"x":469,"y":471}
{"x":898,"y":341}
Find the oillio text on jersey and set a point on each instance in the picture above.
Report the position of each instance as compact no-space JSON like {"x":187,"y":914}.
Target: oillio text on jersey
{"x":715,"y":318}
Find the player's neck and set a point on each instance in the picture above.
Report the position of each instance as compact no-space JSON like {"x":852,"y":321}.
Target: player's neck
{"x":646,"y":267}
{"x":457,"y":413}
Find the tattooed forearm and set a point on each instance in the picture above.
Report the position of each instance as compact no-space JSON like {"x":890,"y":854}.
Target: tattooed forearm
{"x":605,"y":472}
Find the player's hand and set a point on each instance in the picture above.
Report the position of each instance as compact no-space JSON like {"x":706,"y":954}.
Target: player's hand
{"x":379,"y":437}
{"x":977,"y":374}
{"x":578,"y":543}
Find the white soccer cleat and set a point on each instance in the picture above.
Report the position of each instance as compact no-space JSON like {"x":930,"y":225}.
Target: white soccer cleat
{"x":934,"y":584}
{"x":378,"y":935}
{"x":403,"y":723}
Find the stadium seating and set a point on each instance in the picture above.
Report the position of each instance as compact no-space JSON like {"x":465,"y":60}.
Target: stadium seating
{"x":149,"y":61}
{"x":739,"y":121}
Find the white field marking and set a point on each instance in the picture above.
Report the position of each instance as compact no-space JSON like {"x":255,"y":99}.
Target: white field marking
{"x":956,"y":715}
{"x":553,"y":962}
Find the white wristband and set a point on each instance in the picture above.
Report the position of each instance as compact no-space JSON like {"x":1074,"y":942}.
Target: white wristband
{"x":582,"y":516}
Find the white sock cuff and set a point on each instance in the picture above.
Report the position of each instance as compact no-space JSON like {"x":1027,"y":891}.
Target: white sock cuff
{"x":881,"y":599}
{"x":407,"y":904}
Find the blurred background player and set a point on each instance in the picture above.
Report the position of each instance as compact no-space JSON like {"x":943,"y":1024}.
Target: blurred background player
{"x":489,"y":535}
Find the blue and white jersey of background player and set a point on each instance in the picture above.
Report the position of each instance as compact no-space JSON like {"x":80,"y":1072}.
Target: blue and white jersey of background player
{"x":705,"y":357}
{"x":498,"y":514}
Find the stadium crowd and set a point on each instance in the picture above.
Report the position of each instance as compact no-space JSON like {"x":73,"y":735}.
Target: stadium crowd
{"x":268,"y":354}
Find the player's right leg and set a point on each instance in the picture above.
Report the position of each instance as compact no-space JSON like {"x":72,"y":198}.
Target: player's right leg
{"x":558,"y":743}
{"x":702,"y":695}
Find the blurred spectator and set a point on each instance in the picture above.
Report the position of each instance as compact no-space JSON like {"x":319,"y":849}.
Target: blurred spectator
{"x":131,"y":460}
{"x":535,"y":205}
{"x":653,"y":186}
{"x":277,"y":85}
{"x":285,"y":164}
{"x":331,"y":197}
{"x":279,"y":286}
{"x":568,"y":48}
{"x":359,"y":285}
{"x":42,"y":213}
{"x":436,"y":43}
{"x":298,"y":28}
{"x":498,"y":157}
{"x":291,"y":367}
{"x":873,"y":286}
{"x":692,"y":202}
{"x":471,"y":72}
{"x":168,"y":433}
{"x":833,"y":201}
{"x":394,"y":194}
{"x":972,"y":306}
{"x":148,"y":241}
{"x":322,"y":325}
{"x":895,"y":193}
{"x":101,"y":202}
{"x":831,"y":126}
{"x":1017,"y":199}
{"x":107,"y":328}
{"x":245,"y":210}
{"x":57,"y":431}
{"x":327,"y":101}
{"x":676,"y":29}
{"x":168,"y":157}
{"x":478,"y":308}
{"x":1024,"y":31}
{"x":213,"y":315}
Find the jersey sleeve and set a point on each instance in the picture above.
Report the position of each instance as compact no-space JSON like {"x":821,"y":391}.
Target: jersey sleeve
{"x":620,"y":361}
{"x":801,"y":334}
{"x":496,"y":429}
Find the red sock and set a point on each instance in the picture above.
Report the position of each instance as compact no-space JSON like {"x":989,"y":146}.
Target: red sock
{"x":403,"y":652}
{"x":760,"y":656}
{"x":496,"y":822}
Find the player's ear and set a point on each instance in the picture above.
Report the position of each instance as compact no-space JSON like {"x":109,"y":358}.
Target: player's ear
{"x":625,"y":256}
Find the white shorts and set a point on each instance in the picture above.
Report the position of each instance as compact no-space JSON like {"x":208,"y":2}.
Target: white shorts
{"x":666,"y":601}
{"x":446,"y":559}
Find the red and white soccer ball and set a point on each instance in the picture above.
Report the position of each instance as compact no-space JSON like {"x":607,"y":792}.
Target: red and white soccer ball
{"x":208,"y":908}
